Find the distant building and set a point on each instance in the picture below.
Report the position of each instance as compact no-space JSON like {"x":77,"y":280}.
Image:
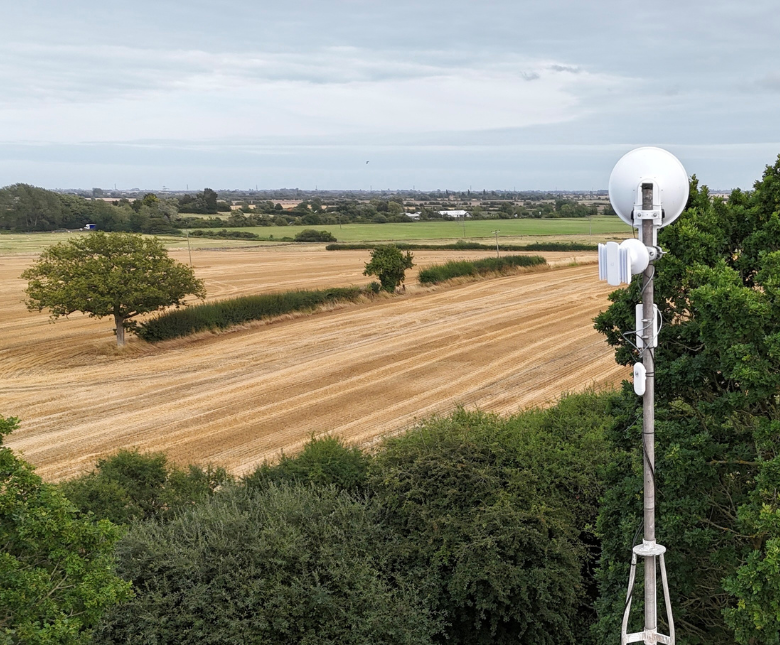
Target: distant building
{"x":455,"y":214}
{"x":414,"y":216}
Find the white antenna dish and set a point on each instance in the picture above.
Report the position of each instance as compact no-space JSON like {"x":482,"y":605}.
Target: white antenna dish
{"x":632,"y":195}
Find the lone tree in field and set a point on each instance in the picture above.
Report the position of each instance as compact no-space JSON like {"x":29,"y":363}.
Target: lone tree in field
{"x":116,"y":274}
{"x":389,"y":265}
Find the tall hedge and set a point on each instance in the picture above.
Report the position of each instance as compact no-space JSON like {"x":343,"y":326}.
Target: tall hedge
{"x":283,"y":564}
{"x":494,"y":518}
{"x":457,"y":268}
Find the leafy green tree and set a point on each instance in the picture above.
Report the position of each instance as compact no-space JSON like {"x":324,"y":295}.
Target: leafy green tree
{"x":130,"y":486}
{"x":120,"y":275}
{"x":56,"y":569}
{"x":282,"y":564}
{"x":27,"y":208}
{"x":718,"y":422}
{"x":494,"y":518}
{"x":389,"y":265}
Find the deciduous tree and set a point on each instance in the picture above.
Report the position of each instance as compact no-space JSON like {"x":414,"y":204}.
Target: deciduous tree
{"x":56,"y":569}
{"x":389,"y":265}
{"x":120,"y":275}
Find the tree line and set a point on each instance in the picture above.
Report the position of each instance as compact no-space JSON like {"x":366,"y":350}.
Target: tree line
{"x":28,"y":208}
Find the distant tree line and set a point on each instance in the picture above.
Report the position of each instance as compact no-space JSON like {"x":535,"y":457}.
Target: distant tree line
{"x":27,"y":208}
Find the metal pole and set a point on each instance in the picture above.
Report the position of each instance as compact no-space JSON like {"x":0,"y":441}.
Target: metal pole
{"x":189,"y":248}
{"x":497,"y":253}
{"x":648,"y":430}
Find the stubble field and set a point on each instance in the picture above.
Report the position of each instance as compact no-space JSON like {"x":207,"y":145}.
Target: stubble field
{"x":359,"y":371}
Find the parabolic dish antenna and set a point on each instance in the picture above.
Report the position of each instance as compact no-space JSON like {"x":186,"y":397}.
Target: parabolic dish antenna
{"x":644,"y":165}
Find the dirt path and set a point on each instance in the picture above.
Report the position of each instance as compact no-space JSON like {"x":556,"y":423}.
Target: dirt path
{"x":359,"y":371}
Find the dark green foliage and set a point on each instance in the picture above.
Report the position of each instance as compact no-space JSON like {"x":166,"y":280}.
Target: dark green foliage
{"x":441,"y":272}
{"x":286,"y":565}
{"x":235,"y":311}
{"x":460,"y":246}
{"x":226,"y":235}
{"x":56,"y":569}
{"x":27,"y":208}
{"x":389,"y":265}
{"x":310,"y":235}
{"x":203,"y":202}
{"x":132,"y":486}
{"x":718,"y":447}
{"x":494,"y":517}
{"x":323,"y":461}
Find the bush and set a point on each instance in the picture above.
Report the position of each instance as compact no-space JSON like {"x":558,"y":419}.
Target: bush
{"x":324,"y":461}
{"x":494,"y":518}
{"x":310,"y":235}
{"x":285,"y":564}
{"x":389,"y":265}
{"x":441,"y":272}
{"x":235,"y":311}
{"x":132,"y":486}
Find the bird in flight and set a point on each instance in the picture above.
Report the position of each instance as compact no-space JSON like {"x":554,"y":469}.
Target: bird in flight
{"x":366,"y":162}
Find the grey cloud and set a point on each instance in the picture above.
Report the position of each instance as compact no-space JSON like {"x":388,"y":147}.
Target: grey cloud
{"x":770,"y":82}
{"x":571,"y":69}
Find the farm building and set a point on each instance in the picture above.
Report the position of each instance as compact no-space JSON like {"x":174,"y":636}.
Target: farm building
{"x":455,"y":214}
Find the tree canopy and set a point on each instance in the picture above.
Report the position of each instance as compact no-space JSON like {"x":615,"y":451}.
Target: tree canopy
{"x":389,"y":265}
{"x":56,"y":568}
{"x":118,"y":274}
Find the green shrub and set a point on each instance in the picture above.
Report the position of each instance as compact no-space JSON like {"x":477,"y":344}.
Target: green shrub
{"x":447,"y":271}
{"x":132,"y":486}
{"x":310,"y":235}
{"x":235,"y":311}
{"x":389,"y":265}
{"x":56,"y":569}
{"x":323,"y":461}
{"x":282,"y":564}
{"x":494,"y":516}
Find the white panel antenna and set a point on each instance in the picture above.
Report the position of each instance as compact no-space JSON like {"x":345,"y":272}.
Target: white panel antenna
{"x":619,"y":262}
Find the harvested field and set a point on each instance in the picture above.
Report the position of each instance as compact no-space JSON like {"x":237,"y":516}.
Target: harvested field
{"x":359,"y":371}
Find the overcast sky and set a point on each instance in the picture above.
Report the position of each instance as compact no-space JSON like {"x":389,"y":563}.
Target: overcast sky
{"x":433,"y":94}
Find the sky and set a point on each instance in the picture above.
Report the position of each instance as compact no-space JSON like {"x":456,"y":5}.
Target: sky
{"x":433,"y":94}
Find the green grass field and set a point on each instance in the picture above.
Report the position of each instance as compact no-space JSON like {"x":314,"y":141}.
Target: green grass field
{"x":36,"y":242}
{"x":517,"y":231}
{"x":471,"y":229}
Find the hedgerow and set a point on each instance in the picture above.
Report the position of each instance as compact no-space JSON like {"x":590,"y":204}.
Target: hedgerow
{"x":441,"y":272}
{"x":225,"y":234}
{"x":469,"y":246}
{"x":235,"y":311}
